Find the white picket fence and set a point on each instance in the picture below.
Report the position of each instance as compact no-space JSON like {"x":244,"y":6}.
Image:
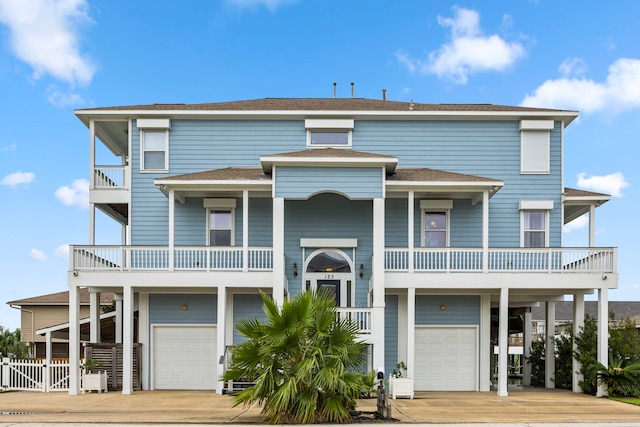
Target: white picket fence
{"x":34,"y":375}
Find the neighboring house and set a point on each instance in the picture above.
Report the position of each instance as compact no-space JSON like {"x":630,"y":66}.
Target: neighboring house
{"x":45,"y":311}
{"x":620,"y":310}
{"x":420,"y":218}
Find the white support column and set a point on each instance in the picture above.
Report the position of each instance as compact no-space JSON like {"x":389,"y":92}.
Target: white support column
{"x":526,"y":366}
{"x":278,"y":250}
{"x":245,"y":230}
{"x":48,"y":356}
{"x":119,"y":317}
{"x":603,"y":334}
{"x":410,"y":229}
{"x":485,"y":346}
{"x":143,"y":337}
{"x":377,"y":278}
{"x":127,"y":340}
{"x":550,"y":345}
{"x":485,"y":231}
{"x":172,"y":225}
{"x":94,"y":315}
{"x":503,"y":343}
{"x":578,"y":324}
{"x":411,"y":332}
{"x":92,"y":224}
{"x":221,"y":336}
{"x":92,"y":180}
{"x":592,"y":226}
{"x":74,"y":340}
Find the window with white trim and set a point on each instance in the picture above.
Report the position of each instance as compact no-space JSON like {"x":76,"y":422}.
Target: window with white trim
{"x":220,"y":227}
{"x":220,"y":221}
{"x":535,"y":156}
{"x":435,"y":223}
{"x":154,"y":144}
{"x":329,"y":132}
{"x":154,"y":150}
{"x":534,"y":229}
{"x":534,"y":223}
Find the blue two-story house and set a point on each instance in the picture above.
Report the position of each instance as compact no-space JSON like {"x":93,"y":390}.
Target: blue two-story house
{"x":425,"y":220}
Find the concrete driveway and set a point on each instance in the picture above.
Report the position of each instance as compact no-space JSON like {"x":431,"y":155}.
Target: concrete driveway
{"x":200,"y":407}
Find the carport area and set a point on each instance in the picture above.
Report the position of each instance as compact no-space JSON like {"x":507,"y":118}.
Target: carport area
{"x":205,"y":407}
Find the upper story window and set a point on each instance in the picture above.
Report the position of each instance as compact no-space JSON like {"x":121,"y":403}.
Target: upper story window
{"x":328,"y":133}
{"x":534,"y":218}
{"x":435,"y":223}
{"x":535,"y":146}
{"x":220,"y":221}
{"x":154,"y":144}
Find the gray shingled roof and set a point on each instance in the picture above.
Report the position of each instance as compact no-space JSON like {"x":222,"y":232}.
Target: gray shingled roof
{"x":323,"y":104}
{"x":573,"y":192}
{"x":434,"y":175}
{"x":332,"y":153}
{"x":226,"y":174}
{"x":62,"y":298}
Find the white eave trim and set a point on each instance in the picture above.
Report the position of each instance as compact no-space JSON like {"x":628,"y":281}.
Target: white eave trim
{"x":328,"y":243}
{"x":565,"y":116}
{"x":62,"y":326}
{"x":268,"y":162}
{"x":540,"y":205}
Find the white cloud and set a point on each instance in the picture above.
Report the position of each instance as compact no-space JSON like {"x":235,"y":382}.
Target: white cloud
{"x":44,"y":34}
{"x":254,"y":4}
{"x":573,"y":66}
{"x":608,"y":184}
{"x":61,"y":99}
{"x":62,"y":251}
{"x":18,"y":178}
{"x":469,"y":51}
{"x":37,"y":255}
{"x":77,"y":194}
{"x":576,"y":224}
{"x":620,"y":91}
{"x":11,"y":147}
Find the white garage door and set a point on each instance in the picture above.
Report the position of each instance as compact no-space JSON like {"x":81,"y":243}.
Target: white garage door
{"x":184,"y":357}
{"x":446,"y":359}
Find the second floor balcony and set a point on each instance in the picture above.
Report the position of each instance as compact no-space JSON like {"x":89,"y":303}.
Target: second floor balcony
{"x":418,"y":260}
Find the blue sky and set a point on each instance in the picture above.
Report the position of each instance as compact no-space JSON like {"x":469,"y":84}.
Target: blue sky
{"x":56,"y":56}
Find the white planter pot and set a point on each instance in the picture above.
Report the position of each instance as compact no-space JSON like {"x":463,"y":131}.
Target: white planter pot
{"x":95,"y":382}
{"x":401,"y":387}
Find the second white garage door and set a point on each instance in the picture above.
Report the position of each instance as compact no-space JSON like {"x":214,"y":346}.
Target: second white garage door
{"x":184,"y":357}
{"x":446,"y":359}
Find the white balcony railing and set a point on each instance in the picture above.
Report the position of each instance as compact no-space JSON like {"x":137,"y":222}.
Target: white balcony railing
{"x":361,"y":317}
{"x":109,"y":177}
{"x":157,"y":258}
{"x":552,"y":260}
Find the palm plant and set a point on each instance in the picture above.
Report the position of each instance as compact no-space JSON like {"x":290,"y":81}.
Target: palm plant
{"x":303,"y":361}
{"x":621,"y":379}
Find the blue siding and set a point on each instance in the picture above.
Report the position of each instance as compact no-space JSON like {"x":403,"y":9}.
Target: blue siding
{"x":390,"y":334}
{"x":246,"y":307}
{"x":329,"y":216}
{"x":302,"y":182}
{"x":167,"y":308}
{"x":460,"y":310}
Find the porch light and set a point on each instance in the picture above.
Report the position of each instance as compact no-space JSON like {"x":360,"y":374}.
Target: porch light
{"x":361,"y":271}
{"x":295,"y":269}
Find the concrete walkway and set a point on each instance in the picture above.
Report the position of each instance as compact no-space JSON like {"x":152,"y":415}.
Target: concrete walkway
{"x":528,"y":407}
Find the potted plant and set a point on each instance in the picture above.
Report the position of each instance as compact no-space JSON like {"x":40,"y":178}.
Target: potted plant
{"x":93,"y":379}
{"x":399,"y":384}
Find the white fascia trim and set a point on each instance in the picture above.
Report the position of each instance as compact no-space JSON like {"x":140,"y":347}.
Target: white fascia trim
{"x":539,"y":205}
{"x":219,"y":203}
{"x":565,"y":116}
{"x":466,"y":186}
{"x":436,"y":204}
{"x":580,"y":200}
{"x":153,"y":123}
{"x":196,"y":184}
{"x":328,"y":243}
{"x":360,"y":161}
{"x":329,"y":124}
{"x":536,"y":124}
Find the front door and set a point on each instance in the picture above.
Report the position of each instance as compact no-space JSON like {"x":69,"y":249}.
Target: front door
{"x":331,"y":286}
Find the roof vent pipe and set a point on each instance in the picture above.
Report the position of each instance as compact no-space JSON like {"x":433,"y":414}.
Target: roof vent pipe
{"x":334,"y":89}
{"x":352,"y":85}
{"x":384,"y":94}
